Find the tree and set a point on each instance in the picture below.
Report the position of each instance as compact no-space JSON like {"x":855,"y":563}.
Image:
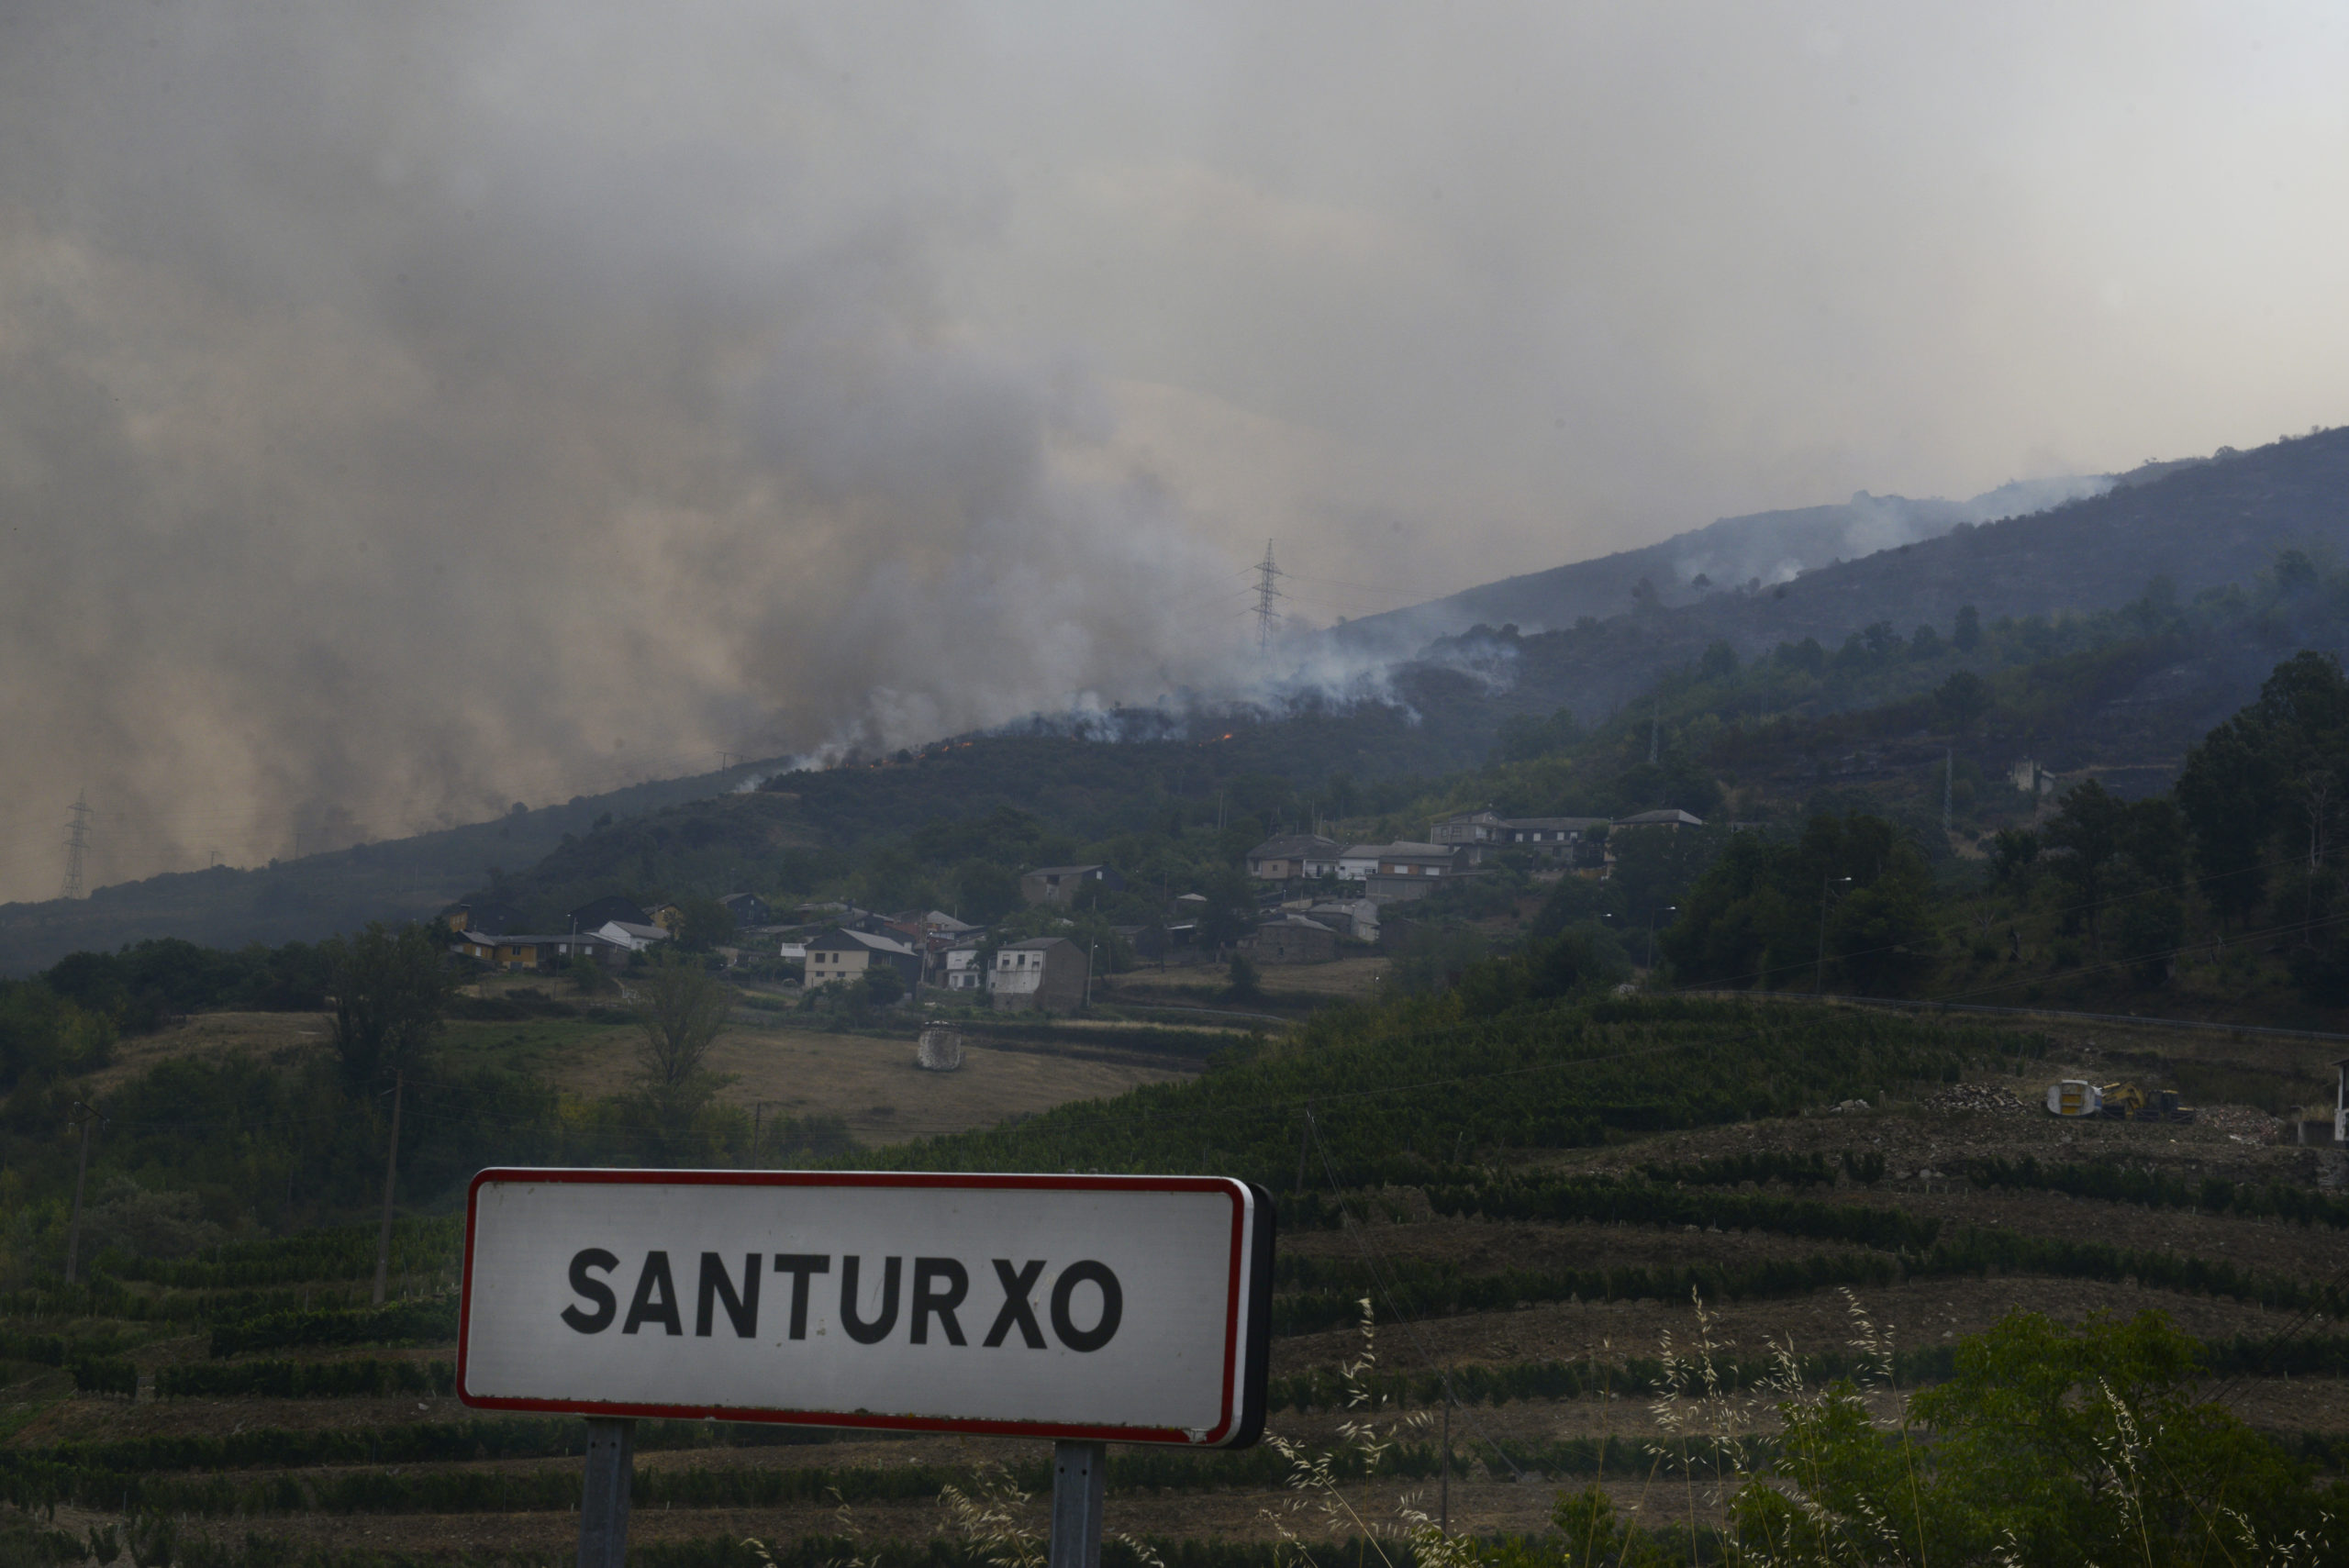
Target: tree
{"x":2304,"y":708}
{"x":1963,"y":699}
{"x":1655,"y":866}
{"x":2274,"y":778}
{"x":703,"y":924}
{"x":986,"y":892}
{"x":2221,"y":790}
{"x":1967,"y":631}
{"x":2085,"y":837}
{"x":1853,"y":896}
{"x":1246,"y":984}
{"x":681,"y":1007}
{"x":1580,"y":960}
{"x":1230,"y":912}
{"x":1807,"y":656}
{"x":1522,"y":737}
{"x":884,"y":985}
{"x":391,"y":988}
{"x":2012,"y":854}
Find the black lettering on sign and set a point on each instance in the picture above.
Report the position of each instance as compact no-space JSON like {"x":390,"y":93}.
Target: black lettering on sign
{"x":862,"y":1332}
{"x":1113,"y":1306}
{"x":715,"y":1287}
{"x":800,"y":1265}
{"x":1015,"y":1311}
{"x":941,"y":1302}
{"x":593,"y":1289}
{"x":644,"y":1309}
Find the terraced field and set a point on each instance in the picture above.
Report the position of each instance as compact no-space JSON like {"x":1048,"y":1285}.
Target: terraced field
{"x":1513,"y":1241}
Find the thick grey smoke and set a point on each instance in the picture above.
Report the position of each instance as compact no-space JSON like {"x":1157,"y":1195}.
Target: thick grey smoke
{"x":405,"y":410}
{"x":408,"y":409}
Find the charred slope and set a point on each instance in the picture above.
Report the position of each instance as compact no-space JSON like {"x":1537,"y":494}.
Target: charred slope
{"x":1762,"y":548}
{"x":2202,"y":527}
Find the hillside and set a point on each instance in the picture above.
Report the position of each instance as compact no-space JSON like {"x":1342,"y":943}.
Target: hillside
{"x":2199,"y":526}
{"x":1767,"y":548}
{"x":1527,"y":1199}
{"x":317,"y":896}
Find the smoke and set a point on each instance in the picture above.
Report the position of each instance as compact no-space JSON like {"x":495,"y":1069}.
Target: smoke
{"x":407,"y":410}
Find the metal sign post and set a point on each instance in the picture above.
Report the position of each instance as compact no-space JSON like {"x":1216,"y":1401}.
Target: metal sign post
{"x":602,"y":1506}
{"x":1080,"y":1482}
{"x":1081,"y":1309}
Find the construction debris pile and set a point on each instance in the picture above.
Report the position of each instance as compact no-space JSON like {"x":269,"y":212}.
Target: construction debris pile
{"x":1975,"y":1098}
{"x":2246,"y":1122}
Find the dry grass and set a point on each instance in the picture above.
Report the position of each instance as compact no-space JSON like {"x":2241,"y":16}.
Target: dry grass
{"x":213,"y":1035}
{"x":873,"y":1084}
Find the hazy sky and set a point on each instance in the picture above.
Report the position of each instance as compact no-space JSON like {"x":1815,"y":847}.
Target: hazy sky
{"x":405,"y":410}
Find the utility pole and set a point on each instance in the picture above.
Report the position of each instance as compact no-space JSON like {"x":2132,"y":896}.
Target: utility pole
{"x":77,"y":844}
{"x":1443,"y":1508}
{"x":1948,"y":783}
{"x":1818,"y":976}
{"x":81,"y":1173}
{"x":1655,"y":728}
{"x":391,"y":1179}
{"x":1267,"y":576}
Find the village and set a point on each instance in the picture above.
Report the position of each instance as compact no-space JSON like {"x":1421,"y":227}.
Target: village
{"x":1313,"y":900}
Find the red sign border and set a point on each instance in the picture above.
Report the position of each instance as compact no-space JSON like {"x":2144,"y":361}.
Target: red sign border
{"x":1248,"y":1417}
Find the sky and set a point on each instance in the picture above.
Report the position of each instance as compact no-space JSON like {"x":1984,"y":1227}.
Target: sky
{"x":407,"y":411}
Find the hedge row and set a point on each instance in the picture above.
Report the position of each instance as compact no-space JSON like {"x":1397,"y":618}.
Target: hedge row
{"x":2164,"y":1189}
{"x":1760,"y":1168}
{"x":107,"y":1376}
{"x":472,"y":1491}
{"x":154,"y":1539}
{"x":347,"y":1252}
{"x":1432,"y":1291}
{"x":1642,"y":1376}
{"x":305,"y":1380}
{"x":56,"y":1349}
{"x":1632,"y":1378}
{"x":104,"y":1297}
{"x":1602,"y":1201}
{"x":1446,"y":1293}
{"x":406,"y":1322}
{"x":405,"y":1443}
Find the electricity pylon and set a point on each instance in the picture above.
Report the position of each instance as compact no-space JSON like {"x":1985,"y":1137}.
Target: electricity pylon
{"x":1267,"y":576}
{"x":77,"y":842}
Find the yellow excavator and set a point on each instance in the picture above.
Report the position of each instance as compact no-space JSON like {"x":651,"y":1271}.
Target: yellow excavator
{"x":2115,"y":1102}
{"x":2126,"y":1102}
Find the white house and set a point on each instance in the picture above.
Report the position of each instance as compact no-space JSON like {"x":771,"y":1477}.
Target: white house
{"x":1042,"y":972}
{"x":962,"y":971}
{"x":629,"y":935}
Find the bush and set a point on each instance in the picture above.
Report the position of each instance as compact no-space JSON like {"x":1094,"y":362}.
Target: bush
{"x":425,"y":1322}
{"x":116,"y":1377}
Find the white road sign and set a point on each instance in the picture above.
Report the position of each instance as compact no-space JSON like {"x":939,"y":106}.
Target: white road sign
{"x":1127,"y":1308}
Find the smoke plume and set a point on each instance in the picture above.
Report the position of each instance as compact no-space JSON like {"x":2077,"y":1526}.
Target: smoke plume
{"x":409,"y":409}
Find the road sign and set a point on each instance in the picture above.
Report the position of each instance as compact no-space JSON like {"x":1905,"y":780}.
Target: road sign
{"x":1090,"y":1308}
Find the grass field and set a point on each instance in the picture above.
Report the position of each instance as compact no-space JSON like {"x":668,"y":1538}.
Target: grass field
{"x":1503,"y":1256}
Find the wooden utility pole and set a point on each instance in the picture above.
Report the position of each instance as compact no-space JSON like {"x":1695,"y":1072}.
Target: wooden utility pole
{"x":391,"y":1178}
{"x":81,"y":1174}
